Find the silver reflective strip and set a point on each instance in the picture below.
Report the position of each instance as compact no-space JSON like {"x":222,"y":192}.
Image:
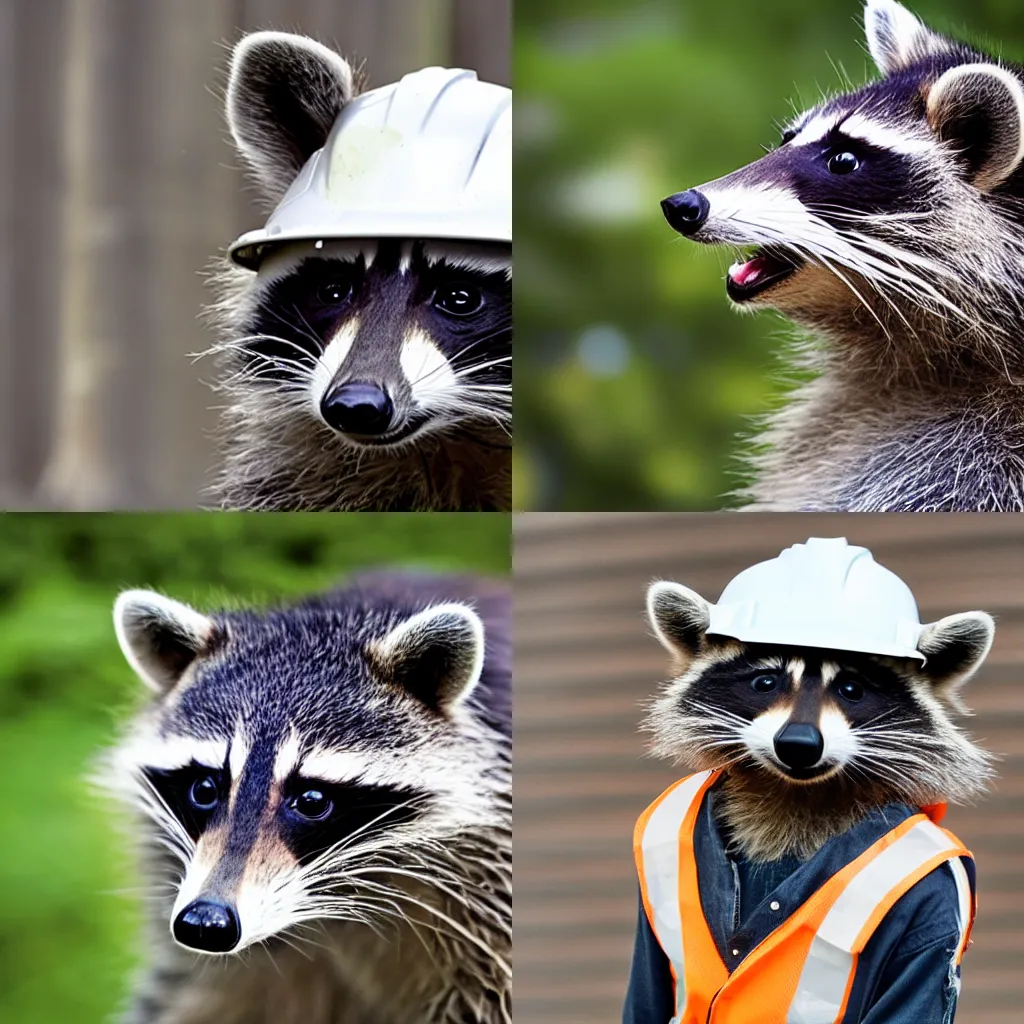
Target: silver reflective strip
{"x":830,"y":960}
{"x":659,"y":861}
{"x":965,"y":901}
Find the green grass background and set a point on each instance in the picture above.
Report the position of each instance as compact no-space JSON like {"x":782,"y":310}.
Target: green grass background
{"x":633,"y":376}
{"x":68,"y":940}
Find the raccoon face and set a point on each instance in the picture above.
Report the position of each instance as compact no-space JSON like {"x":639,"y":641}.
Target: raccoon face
{"x":808,"y":716}
{"x":867,"y":194}
{"x":308,"y":764}
{"x":374,"y":344}
{"x":382,"y":342}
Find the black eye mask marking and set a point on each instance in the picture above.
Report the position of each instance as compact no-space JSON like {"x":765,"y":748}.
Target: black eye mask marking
{"x":316,"y":815}
{"x":297,"y":314}
{"x":195,"y":794}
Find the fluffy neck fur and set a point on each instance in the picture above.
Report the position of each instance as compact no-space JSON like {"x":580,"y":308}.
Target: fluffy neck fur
{"x":298,"y":465}
{"x":915,"y":441}
{"x":766,"y":818}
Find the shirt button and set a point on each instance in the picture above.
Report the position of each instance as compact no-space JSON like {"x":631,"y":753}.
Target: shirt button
{"x":735,"y":952}
{"x":774,"y":904}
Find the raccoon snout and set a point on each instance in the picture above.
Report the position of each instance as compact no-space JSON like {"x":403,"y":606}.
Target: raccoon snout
{"x":799,"y":745}
{"x":211,"y":927}
{"x":358,"y":407}
{"x":686,"y":211}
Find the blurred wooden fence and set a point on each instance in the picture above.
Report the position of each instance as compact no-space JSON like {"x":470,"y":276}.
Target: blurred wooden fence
{"x":585,"y":661}
{"x":117,"y":186}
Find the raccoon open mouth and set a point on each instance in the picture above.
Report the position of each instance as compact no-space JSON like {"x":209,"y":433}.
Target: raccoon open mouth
{"x":765,"y":268}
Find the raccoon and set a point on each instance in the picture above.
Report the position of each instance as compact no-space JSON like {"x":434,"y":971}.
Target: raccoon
{"x":357,"y":374}
{"x":811,"y":740}
{"x":323,"y":803}
{"x":888,"y":224}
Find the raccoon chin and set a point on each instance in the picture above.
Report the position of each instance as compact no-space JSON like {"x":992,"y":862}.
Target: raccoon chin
{"x":804,"y":776}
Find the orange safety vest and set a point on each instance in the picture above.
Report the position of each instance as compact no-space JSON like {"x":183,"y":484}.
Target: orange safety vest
{"x":803,"y":971}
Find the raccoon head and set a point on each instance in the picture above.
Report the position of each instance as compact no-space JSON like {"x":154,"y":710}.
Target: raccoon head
{"x":371,"y":344}
{"x":313,"y":763}
{"x":893,"y":204}
{"x":814,"y":718}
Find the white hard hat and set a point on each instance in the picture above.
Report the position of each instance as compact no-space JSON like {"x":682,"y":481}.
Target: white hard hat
{"x":825,"y":593}
{"x":427,"y":157}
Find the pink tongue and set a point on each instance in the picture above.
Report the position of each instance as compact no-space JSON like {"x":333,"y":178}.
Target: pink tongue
{"x":747,"y":273}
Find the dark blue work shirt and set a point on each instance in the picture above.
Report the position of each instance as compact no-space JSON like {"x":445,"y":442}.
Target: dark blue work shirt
{"x":905,"y":974}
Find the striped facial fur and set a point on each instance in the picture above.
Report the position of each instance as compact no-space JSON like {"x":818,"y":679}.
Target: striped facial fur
{"x":825,"y":735}
{"x":357,"y":374}
{"x":380,"y":343}
{"x":888,"y":215}
{"x":326,"y":778}
{"x":352,"y":367}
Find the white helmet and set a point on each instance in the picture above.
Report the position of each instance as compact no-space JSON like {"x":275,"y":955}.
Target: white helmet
{"x":427,"y":157}
{"x":825,"y":593}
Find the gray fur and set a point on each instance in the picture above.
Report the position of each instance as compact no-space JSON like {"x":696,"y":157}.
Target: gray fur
{"x":413,"y":920}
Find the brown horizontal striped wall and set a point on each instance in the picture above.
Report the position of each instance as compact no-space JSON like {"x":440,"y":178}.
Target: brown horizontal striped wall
{"x":584,"y":663}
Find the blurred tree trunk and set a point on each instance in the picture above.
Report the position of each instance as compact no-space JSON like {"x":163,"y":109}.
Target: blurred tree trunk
{"x":84,"y":471}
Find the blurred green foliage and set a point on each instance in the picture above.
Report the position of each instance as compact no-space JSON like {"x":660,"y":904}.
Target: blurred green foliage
{"x":633,"y":374}
{"x":68,"y":919}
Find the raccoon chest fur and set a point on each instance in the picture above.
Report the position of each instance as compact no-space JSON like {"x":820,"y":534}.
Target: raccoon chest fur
{"x":842,"y":447}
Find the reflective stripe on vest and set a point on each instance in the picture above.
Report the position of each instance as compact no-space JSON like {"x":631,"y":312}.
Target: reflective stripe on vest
{"x":803,"y":971}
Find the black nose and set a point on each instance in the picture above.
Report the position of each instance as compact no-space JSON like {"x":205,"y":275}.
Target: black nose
{"x":686,"y":211}
{"x":799,"y":745}
{"x":212,"y":927}
{"x":358,"y":407}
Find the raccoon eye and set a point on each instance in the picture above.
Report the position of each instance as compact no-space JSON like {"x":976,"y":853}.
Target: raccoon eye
{"x":851,"y":691}
{"x":334,"y":293}
{"x":458,"y":300}
{"x":763,"y":684}
{"x":203,"y":793}
{"x":312,"y":804}
{"x":842,"y":163}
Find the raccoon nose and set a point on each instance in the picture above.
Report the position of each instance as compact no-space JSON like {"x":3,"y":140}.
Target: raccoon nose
{"x":799,"y":745}
{"x":358,"y":407}
{"x":211,"y":927}
{"x":686,"y":211}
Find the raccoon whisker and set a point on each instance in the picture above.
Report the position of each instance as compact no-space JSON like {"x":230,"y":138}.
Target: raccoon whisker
{"x":458,"y":929}
{"x":306,"y":333}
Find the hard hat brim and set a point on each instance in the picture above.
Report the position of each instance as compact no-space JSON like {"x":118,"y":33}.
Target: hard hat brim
{"x":249,"y":250}
{"x":819,"y":639}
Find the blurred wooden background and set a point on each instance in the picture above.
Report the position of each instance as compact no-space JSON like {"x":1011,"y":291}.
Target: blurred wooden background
{"x":117,"y":186}
{"x":585,"y":661}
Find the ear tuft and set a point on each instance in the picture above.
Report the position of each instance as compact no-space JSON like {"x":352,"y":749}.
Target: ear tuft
{"x":954,"y":648}
{"x":679,"y":616}
{"x":161,"y":637}
{"x":979,"y":109}
{"x":896,"y":39}
{"x":284,"y":94}
{"x":437,"y":655}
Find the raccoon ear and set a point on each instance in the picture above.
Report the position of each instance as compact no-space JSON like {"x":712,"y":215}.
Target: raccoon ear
{"x":160,"y":637}
{"x":679,"y":616}
{"x":437,"y":655}
{"x":954,"y":648}
{"x":896,"y":39}
{"x":979,"y":109}
{"x":284,"y":94}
